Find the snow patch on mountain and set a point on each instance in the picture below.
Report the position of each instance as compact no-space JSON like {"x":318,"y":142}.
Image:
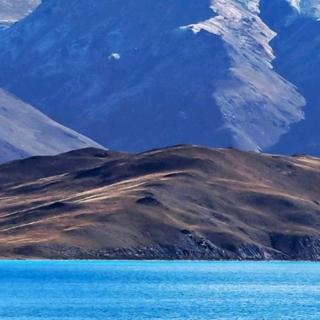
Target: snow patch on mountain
{"x":258,"y":105}
{"x":307,"y":7}
{"x":114,"y":56}
{"x":25,"y":131}
{"x":295,"y":4}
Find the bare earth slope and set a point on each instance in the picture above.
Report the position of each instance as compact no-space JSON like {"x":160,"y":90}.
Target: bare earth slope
{"x":184,"y":202}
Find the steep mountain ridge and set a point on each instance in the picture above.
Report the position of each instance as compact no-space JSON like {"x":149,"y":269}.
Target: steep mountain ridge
{"x":25,"y":131}
{"x":184,"y":202}
{"x":258,"y":105}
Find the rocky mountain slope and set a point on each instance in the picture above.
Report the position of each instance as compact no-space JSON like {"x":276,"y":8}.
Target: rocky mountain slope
{"x":183,"y":202}
{"x":25,"y":131}
{"x":14,"y":10}
{"x":136,"y":75}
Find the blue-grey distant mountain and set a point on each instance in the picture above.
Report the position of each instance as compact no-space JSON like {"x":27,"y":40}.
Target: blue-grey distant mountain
{"x":140,"y":74}
{"x":25,"y":132}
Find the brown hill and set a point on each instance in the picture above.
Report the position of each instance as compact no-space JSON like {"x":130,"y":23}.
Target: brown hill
{"x":184,"y":202}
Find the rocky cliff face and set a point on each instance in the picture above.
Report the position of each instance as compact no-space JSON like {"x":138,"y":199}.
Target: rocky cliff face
{"x":178,"y":203}
{"x":136,"y":75}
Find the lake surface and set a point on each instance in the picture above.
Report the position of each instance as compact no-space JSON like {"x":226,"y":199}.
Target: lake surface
{"x":74,"y":290}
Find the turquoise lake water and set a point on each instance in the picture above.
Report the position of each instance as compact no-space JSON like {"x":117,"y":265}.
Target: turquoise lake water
{"x":74,"y":290}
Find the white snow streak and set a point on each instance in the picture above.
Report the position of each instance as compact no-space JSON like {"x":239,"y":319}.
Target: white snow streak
{"x":307,"y":7}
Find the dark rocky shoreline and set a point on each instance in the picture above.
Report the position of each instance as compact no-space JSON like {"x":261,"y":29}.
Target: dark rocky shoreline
{"x":294,"y":249}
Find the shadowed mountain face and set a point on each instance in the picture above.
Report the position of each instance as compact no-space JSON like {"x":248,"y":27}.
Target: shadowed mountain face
{"x":140,"y":74}
{"x":296,"y":48}
{"x":179,"y":203}
{"x":116,"y":74}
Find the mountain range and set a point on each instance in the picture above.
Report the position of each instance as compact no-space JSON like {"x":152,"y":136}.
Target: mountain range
{"x":184,"y":202}
{"x":136,"y":75}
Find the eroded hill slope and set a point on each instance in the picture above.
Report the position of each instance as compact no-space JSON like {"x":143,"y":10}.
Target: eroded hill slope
{"x":184,"y":202}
